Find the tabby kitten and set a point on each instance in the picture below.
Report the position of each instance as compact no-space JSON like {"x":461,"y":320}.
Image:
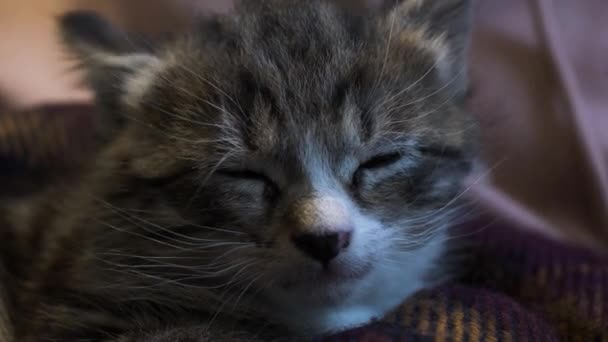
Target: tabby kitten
{"x":293,"y":163}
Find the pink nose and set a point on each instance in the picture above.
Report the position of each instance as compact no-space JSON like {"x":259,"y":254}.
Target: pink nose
{"x":322,"y":247}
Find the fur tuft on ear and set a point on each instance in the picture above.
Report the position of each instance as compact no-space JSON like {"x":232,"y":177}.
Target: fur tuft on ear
{"x":110,"y":59}
{"x":452,"y":16}
{"x":449,"y":17}
{"x":98,"y":44}
{"x":442,"y":27}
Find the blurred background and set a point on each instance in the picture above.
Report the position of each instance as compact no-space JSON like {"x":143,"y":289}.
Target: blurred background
{"x":540,"y":89}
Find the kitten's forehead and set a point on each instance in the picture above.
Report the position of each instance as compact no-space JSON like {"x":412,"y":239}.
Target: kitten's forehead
{"x":286,"y":76}
{"x":296,"y":72}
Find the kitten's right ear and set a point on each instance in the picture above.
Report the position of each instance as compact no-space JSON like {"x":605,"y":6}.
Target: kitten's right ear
{"x":110,"y":59}
{"x":442,"y":27}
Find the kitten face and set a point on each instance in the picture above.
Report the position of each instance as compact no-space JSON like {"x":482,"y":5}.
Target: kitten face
{"x":293,"y":157}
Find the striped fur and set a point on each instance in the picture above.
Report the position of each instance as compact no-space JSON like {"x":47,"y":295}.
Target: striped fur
{"x":521,"y":288}
{"x":216,"y":146}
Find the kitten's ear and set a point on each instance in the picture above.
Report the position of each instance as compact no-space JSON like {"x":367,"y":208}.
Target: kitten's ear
{"x":442,"y":26}
{"x":110,"y":59}
{"x":92,"y":37}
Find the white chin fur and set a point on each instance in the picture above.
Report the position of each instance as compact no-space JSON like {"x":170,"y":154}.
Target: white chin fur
{"x":370,"y":298}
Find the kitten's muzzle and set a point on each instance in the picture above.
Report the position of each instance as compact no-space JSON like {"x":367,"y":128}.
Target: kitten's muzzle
{"x":322,"y":247}
{"x":319,"y":227}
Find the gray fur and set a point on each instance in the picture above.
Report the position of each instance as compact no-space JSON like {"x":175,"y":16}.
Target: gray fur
{"x":223,"y":134}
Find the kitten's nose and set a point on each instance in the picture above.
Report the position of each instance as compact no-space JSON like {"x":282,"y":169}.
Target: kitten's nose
{"x":322,"y":246}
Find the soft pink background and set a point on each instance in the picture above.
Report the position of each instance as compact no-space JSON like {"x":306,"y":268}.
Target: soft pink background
{"x":539,"y":71}
{"x":541,"y":79}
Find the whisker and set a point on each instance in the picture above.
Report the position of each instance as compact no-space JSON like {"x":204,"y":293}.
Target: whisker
{"x":105,"y":224}
{"x":462,"y":193}
{"x":125,"y":214}
{"x":204,"y":181}
{"x":436,"y":92}
{"x":208,"y":82}
{"x":391,"y":98}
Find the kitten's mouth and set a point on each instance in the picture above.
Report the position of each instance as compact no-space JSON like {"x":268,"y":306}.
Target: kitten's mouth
{"x":330,"y":275}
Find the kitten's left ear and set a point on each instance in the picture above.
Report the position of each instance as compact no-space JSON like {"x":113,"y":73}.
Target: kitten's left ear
{"x":442,"y":27}
{"x":110,"y":59}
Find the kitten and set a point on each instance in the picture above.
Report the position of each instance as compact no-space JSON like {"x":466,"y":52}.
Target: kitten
{"x":294,"y":163}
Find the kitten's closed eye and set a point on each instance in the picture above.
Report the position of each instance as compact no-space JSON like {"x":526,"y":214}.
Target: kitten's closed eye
{"x":271,"y":189}
{"x":380,"y":161}
{"x":375,"y":163}
{"x":387,"y":160}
